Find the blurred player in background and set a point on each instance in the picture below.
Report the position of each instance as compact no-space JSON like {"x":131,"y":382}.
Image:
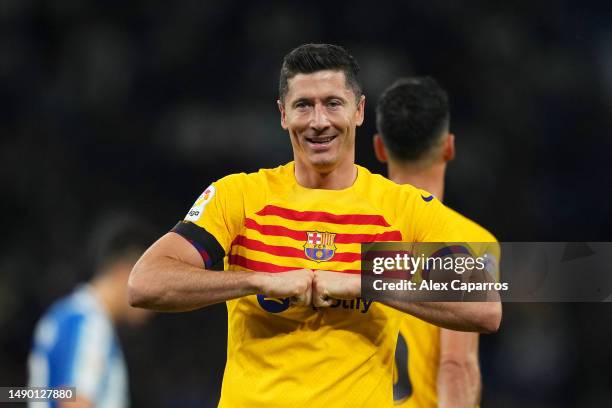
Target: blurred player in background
{"x":75,"y":343}
{"x":434,"y":366}
{"x":299,"y":335}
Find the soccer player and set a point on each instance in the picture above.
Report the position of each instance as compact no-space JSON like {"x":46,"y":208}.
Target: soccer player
{"x":75,"y":343}
{"x":299,"y":334}
{"x":436,"y":367}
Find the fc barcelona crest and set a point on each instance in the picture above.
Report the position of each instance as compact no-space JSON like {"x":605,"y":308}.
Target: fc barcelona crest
{"x":320,"y":246}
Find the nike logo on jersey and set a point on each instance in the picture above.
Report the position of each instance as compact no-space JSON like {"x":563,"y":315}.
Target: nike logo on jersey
{"x":427,"y":199}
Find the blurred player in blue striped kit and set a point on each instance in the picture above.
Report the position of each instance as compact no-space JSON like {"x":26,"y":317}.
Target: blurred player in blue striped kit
{"x":75,"y":343}
{"x":435,"y":367}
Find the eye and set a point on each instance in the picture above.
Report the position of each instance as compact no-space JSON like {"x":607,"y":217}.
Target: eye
{"x":334,"y":103}
{"x":300,"y":105}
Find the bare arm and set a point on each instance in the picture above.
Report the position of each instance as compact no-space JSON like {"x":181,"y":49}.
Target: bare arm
{"x":458,"y":314}
{"x":459,"y":383}
{"x":170,"y":277}
{"x":483,"y":317}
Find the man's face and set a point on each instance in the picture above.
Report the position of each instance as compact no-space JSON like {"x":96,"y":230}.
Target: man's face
{"x":321,"y":114}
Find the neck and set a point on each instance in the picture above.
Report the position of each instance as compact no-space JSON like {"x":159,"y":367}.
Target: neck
{"x":106,"y":291}
{"x":338,"y":178}
{"x":429,"y":177}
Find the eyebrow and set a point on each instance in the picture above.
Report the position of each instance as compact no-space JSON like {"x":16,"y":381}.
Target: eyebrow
{"x":326,"y":99}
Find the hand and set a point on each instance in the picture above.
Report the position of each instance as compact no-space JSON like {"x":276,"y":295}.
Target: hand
{"x":295,"y":284}
{"x":328,"y":286}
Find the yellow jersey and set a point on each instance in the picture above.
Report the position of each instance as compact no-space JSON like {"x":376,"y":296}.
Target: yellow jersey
{"x":417,"y":353}
{"x":286,"y":356}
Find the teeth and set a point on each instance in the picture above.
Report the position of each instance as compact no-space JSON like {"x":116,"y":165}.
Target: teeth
{"x":327,"y":139}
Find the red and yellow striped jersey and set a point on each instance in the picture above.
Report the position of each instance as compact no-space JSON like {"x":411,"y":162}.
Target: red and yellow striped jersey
{"x":418,"y":345}
{"x":286,"y":356}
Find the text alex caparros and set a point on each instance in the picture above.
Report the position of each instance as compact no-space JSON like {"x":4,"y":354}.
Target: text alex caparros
{"x":411,"y":264}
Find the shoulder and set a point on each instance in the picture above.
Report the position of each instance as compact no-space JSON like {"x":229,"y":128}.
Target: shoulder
{"x":471,"y":229}
{"x":397,"y":200}
{"x":378,"y":184}
{"x":375,"y":181}
{"x":257,"y":179}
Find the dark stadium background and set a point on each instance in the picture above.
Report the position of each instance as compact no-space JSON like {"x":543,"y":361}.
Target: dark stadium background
{"x":140,"y":105}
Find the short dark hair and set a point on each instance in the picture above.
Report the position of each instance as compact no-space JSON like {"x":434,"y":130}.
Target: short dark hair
{"x":411,"y":116}
{"x":116,"y":236}
{"x":309,"y":58}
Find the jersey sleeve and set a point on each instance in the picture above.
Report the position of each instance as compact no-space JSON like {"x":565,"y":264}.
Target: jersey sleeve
{"x":431,"y":221}
{"x":438,"y":223}
{"x":483,"y":243}
{"x":492,"y":254}
{"x":214,"y":220}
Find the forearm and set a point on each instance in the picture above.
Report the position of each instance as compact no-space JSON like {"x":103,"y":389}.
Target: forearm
{"x":170,"y":285}
{"x":482,"y":317}
{"x":459,"y":384}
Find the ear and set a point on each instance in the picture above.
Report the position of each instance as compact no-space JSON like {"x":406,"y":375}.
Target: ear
{"x":449,"y":147}
{"x":360,"y":110}
{"x":379,"y":148}
{"x":281,"y":108}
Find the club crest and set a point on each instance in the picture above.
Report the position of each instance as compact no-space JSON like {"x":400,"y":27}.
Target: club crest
{"x":320,"y":246}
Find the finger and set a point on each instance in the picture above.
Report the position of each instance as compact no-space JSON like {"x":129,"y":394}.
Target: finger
{"x":322,"y":301}
{"x":308,"y":296}
{"x":298,"y":300}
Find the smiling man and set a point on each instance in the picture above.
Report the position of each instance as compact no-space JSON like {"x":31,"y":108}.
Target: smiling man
{"x":299,"y":333}
{"x":321,"y":118}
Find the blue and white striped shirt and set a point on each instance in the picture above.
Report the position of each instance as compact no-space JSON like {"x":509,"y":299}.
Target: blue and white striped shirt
{"x":75,"y":345}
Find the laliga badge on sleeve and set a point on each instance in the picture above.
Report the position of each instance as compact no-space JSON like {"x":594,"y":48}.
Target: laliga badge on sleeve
{"x":198,"y":207}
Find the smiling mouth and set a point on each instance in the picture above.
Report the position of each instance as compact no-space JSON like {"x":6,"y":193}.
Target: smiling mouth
{"x":320,"y":141}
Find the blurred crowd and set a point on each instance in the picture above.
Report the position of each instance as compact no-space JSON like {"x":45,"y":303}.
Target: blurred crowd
{"x":139,"y":106}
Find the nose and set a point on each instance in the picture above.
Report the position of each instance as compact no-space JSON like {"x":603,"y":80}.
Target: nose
{"x":319,"y":120}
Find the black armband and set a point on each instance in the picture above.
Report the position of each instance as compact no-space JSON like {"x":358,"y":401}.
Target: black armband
{"x":206,"y":244}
